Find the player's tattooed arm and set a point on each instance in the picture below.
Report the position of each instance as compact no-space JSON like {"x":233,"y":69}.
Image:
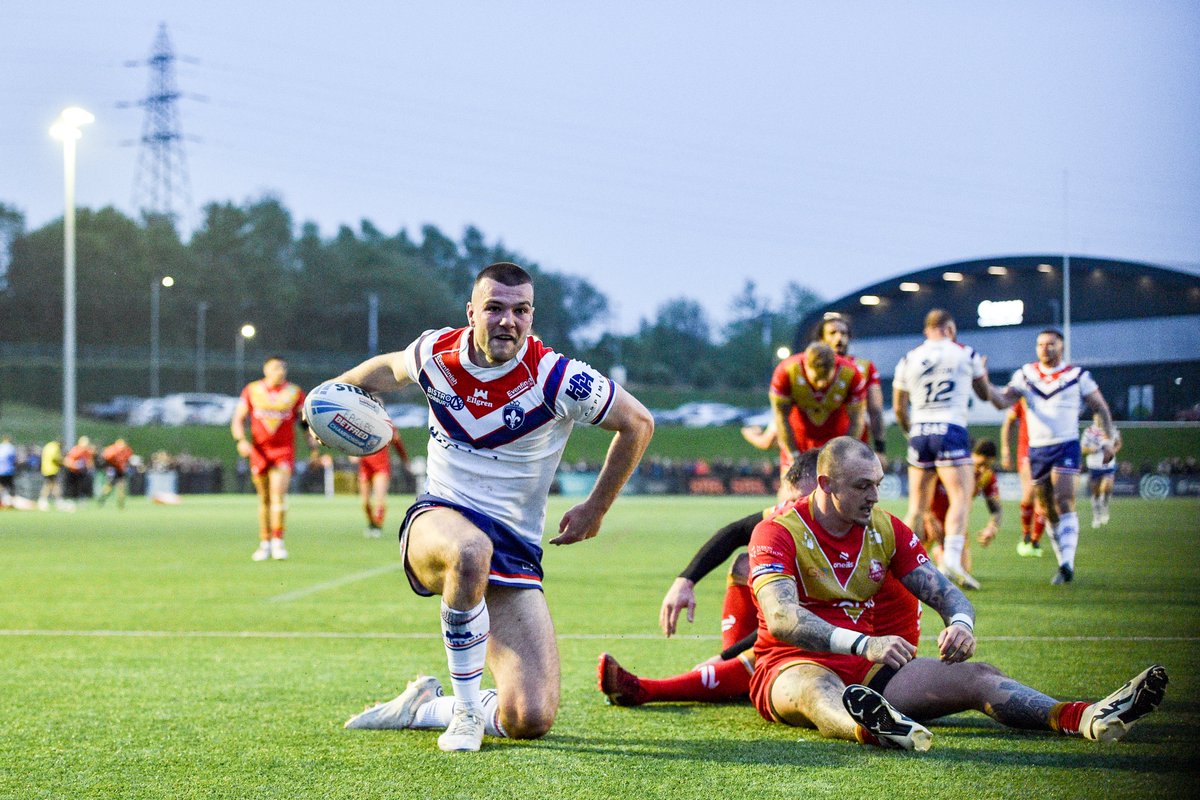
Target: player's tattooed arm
{"x":790,"y":622}
{"x":936,"y":591}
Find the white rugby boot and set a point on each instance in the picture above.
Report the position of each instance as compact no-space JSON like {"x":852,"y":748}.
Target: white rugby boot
{"x":278,"y":551}
{"x":465,"y":732}
{"x":1112,"y":717}
{"x":263,"y":552}
{"x":400,"y":711}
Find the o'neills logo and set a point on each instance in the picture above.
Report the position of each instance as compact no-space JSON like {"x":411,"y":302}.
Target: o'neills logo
{"x":442,"y":368}
{"x":522,"y":387}
{"x":452,"y":401}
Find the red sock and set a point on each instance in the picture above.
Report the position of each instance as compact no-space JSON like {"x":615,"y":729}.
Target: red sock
{"x":738,"y":617}
{"x":1026,"y":519}
{"x":1064,"y":717}
{"x":378,"y":517}
{"x":1039,"y":527}
{"x":708,"y":684}
{"x":277,"y":534}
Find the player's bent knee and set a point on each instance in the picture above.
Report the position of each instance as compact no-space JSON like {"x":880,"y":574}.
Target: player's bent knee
{"x":527,"y":723}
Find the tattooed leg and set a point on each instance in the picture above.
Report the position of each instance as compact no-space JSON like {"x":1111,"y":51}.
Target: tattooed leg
{"x":926,"y":688}
{"x":808,"y":696}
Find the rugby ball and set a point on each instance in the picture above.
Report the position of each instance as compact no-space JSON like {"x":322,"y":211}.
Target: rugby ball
{"x":347,"y":418}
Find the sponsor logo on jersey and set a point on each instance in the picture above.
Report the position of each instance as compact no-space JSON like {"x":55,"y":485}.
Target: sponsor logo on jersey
{"x":452,"y":401}
{"x":521,"y":388}
{"x":480,"y":398}
{"x":446,"y":373}
{"x":513,"y":416}
{"x":579,"y":387}
{"x":764,"y":550}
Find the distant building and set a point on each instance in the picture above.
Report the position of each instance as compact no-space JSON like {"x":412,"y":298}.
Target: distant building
{"x":1135,"y":326}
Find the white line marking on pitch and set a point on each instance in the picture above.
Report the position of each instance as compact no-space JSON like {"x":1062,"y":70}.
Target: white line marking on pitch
{"x":333,"y":584}
{"x":575,"y":636}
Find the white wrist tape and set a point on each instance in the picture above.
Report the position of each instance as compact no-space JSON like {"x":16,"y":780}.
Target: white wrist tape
{"x":964,"y":619}
{"x":848,"y":642}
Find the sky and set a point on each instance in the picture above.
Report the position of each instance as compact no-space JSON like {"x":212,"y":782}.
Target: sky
{"x":658,"y":149}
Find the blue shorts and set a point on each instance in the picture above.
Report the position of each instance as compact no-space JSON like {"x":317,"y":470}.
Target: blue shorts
{"x":938,"y":444}
{"x":1062,"y":457}
{"x":1106,"y":471}
{"x":515,"y":562}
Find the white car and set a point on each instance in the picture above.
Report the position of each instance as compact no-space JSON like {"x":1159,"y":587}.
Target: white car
{"x":198,"y":408}
{"x":703,"y":415}
{"x":408,"y":415}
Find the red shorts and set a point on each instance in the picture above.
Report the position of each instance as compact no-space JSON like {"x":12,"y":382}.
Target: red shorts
{"x":266,"y":458}
{"x":850,"y":669}
{"x":368,"y":470}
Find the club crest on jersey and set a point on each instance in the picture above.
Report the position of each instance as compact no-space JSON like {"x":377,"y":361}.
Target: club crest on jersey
{"x":451,"y":401}
{"x":579,"y":387}
{"x":513,"y":416}
{"x":876,"y":571}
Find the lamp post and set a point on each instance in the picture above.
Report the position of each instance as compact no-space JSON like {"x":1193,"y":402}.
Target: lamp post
{"x":66,"y":130}
{"x":201,"y":313}
{"x":168,"y":282}
{"x":247,"y":331}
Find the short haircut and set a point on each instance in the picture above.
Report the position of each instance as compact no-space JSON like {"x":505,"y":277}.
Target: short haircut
{"x":1055,"y":332}
{"x":840,"y":450}
{"x":803,"y":472}
{"x":820,"y":354}
{"x":985,"y":448}
{"x":271,"y":358}
{"x":505,"y":273}
{"x":938,"y":318}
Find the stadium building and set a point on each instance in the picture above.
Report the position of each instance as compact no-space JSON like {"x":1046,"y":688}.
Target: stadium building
{"x":1135,"y":326}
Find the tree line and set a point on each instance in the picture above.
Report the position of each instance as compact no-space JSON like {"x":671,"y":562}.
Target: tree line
{"x":249,"y":262}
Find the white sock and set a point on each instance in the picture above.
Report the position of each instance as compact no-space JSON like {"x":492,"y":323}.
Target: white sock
{"x":437,"y":713}
{"x":1051,"y":530}
{"x":1068,"y":538}
{"x":952,"y":550}
{"x":465,"y":636}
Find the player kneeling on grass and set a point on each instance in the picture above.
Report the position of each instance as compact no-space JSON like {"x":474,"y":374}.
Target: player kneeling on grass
{"x":502,"y":406}
{"x":815,"y":571}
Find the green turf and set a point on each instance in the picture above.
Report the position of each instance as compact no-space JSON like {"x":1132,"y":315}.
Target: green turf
{"x":144,"y":655}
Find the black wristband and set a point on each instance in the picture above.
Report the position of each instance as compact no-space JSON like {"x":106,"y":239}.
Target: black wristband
{"x":881,"y":446}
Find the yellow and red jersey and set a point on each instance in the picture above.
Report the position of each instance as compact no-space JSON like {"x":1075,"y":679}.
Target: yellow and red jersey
{"x":985,"y":484}
{"x":79,"y":458}
{"x":870,"y":374}
{"x":818,"y":415}
{"x":837,"y":578}
{"x":1018,"y":413}
{"x":273,"y":414}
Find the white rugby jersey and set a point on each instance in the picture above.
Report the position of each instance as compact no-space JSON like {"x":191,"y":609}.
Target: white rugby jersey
{"x":1053,"y":399}
{"x":496,"y":434}
{"x":1093,"y":439}
{"x":937,"y":376}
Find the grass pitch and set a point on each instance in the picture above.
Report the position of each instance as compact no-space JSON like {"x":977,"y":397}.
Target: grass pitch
{"x":143,"y":655}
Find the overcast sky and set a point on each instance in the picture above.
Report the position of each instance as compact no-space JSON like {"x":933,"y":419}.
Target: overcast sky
{"x":661,"y":149}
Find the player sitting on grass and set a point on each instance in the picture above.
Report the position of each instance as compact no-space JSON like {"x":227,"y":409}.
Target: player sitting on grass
{"x":726,"y":676}
{"x":820,"y":661}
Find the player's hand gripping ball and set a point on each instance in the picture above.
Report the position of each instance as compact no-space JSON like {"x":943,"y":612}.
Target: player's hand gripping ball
{"x":347,"y":418}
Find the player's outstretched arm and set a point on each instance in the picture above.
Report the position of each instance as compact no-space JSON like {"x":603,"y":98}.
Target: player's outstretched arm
{"x":633,"y":426}
{"x":382,"y":373}
{"x":711,"y":554}
{"x":790,"y":622}
{"x":957,"y":641}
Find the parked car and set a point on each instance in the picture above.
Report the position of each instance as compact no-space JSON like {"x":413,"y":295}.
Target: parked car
{"x":706,"y":414}
{"x":116,"y":409}
{"x":198,"y":408}
{"x":408,"y":415}
{"x":147,"y":412}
